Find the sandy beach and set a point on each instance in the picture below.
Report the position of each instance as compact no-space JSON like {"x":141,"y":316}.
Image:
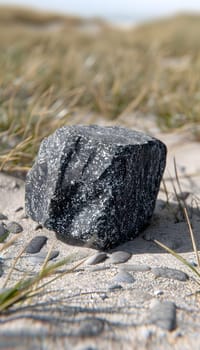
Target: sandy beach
{"x":83,"y":310}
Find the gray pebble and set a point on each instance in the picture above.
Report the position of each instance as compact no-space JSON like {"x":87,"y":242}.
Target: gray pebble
{"x":1,"y":270}
{"x":90,"y":328}
{"x":14,"y":185}
{"x":38,"y":227}
{"x":36,"y":244}
{"x":193,"y":263}
{"x":96,"y":258}
{"x":170,"y":273}
{"x":14,"y":227}
{"x":113,"y":287}
{"x":135,"y":268}
{"x":103,"y":296}
{"x":3,"y":217}
{"x":18,"y":209}
{"x":158,"y":292}
{"x":123,"y":277}
{"x":99,"y":268}
{"x":3,"y":232}
{"x":163,"y":315}
{"x":40,"y":257}
{"x":119,"y":257}
{"x":182,"y":195}
{"x":145,"y":334}
{"x":54,"y":254}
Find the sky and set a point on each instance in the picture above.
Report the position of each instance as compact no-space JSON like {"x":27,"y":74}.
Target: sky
{"x":135,"y":8}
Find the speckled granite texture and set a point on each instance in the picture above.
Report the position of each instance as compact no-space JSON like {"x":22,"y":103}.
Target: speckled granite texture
{"x":94,"y":185}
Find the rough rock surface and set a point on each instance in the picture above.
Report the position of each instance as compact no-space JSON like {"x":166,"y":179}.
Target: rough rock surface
{"x":94,"y":185}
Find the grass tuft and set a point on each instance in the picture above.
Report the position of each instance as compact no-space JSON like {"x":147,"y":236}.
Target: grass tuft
{"x":53,"y":66}
{"x":27,"y":288}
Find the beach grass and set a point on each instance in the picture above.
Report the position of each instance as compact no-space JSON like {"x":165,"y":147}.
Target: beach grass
{"x":183,"y":207}
{"x":54,"y":67}
{"x":26,"y":288}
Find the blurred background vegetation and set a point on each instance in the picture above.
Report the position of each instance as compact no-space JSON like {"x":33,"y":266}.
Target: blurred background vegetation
{"x":56,"y":69}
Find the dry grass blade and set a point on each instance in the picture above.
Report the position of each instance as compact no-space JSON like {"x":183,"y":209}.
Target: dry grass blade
{"x":13,"y":154}
{"x":6,"y":245}
{"x":165,"y":191}
{"x":13,"y":266}
{"x":134,"y":104}
{"x":192,"y":236}
{"x":176,"y":174}
{"x":185,"y":211}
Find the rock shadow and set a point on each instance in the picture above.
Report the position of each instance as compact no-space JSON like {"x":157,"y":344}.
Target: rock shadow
{"x":168,"y":226}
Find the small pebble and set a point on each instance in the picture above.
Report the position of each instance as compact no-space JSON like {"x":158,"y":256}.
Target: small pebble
{"x":96,"y":258}
{"x":54,"y":254}
{"x":36,"y":244}
{"x":1,"y":270}
{"x":14,"y":227}
{"x":145,"y":334}
{"x":38,"y":227}
{"x":3,"y":232}
{"x":182,"y":195}
{"x":18,"y":209}
{"x":3,"y":217}
{"x":193,"y":263}
{"x":40,"y":257}
{"x":103,"y":296}
{"x":119,"y":257}
{"x":135,"y":268}
{"x":170,"y":273}
{"x":14,"y":185}
{"x":123,"y":277}
{"x":163,"y":315}
{"x":99,"y":268}
{"x":158,"y":292}
{"x":114,"y":287}
{"x":90,"y":327}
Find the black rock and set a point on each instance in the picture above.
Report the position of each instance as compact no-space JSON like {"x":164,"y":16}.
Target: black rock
{"x":95,"y":186}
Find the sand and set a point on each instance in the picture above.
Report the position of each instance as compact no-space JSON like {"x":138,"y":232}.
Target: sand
{"x":78,"y":311}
